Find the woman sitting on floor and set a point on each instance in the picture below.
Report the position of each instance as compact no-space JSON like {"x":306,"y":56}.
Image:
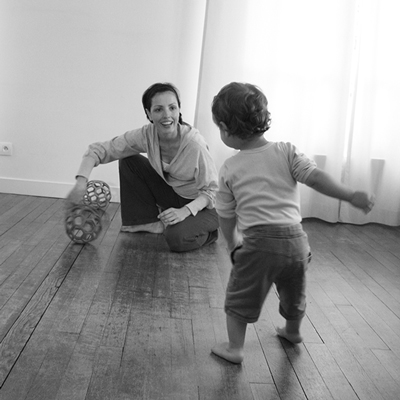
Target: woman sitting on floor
{"x":172,"y":190}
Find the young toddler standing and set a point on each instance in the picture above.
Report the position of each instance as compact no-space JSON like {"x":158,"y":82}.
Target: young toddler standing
{"x":259,"y":212}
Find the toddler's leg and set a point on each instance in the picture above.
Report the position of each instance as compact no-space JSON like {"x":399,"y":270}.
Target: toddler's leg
{"x":291,"y":331}
{"x":233,"y":350}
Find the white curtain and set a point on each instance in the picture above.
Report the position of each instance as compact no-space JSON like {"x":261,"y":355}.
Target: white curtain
{"x":330,"y":72}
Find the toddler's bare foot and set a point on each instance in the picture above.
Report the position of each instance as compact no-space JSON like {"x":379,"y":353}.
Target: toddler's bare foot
{"x":223,"y":350}
{"x":292,"y":337}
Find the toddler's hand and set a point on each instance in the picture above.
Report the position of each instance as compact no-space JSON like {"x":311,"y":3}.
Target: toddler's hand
{"x":237,"y":241}
{"x":363,"y":200}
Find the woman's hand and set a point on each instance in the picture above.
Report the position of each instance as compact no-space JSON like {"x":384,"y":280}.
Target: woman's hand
{"x":75,"y":196}
{"x":172,"y":216}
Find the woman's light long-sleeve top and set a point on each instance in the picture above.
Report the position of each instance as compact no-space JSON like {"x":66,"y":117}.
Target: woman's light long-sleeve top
{"x":190,"y":173}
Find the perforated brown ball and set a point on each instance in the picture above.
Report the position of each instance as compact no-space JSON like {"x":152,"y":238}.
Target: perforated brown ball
{"x":98,"y":194}
{"x":83,"y":224}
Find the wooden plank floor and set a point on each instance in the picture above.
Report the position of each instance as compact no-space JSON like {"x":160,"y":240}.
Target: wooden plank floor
{"x":124,"y":318}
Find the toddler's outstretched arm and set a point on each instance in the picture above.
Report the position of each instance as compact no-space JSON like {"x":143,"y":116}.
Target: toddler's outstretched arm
{"x":324,"y":183}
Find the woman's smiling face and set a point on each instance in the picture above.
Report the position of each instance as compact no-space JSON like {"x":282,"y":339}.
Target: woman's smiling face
{"x":164,"y":113}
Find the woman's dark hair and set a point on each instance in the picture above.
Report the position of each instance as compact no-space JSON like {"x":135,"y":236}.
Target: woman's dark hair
{"x":243,"y":108}
{"x":159,"y":88}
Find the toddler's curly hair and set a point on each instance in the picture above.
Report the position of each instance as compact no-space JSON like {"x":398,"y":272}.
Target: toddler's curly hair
{"x":243,"y":108}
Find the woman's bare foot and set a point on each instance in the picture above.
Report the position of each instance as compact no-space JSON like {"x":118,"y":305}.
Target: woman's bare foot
{"x":292,"y":337}
{"x":224,"y":351}
{"x":153,"y":227}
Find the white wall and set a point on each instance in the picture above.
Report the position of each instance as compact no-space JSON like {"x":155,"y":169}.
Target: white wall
{"x":73,"y":72}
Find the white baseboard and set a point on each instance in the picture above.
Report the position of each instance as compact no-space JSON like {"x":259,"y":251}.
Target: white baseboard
{"x":43,"y":188}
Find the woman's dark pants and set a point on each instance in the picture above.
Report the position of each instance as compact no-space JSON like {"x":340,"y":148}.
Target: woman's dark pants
{"x":143,"y":192}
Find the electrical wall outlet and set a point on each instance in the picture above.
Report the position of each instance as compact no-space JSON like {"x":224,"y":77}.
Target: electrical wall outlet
{"x":6,"y":149}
